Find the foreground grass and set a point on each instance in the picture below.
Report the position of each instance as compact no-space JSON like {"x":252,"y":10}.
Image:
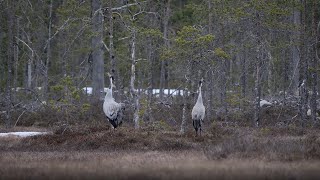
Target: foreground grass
{"x":146,"y":165}
{"x":83,"y":152}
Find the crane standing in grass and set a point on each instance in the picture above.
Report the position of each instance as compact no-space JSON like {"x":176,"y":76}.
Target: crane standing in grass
{"x":112,"y":109}
{"x":198,"y":111}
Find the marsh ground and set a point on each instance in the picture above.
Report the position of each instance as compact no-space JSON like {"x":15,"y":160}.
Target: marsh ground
{"x":83,"y":152}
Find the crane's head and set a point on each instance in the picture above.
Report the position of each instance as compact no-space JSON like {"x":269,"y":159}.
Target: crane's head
{"x":111,"y":80}
{"x":110,"y":76}
{"x":201,"y":81}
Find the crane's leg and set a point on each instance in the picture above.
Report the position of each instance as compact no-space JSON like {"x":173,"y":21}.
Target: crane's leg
{"x":195,"y":126}
{"x":200,"y":126}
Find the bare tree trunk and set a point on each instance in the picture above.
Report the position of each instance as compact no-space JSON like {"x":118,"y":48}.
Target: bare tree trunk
{"x":113,"y":61}
{"x":133,"y":91}
{"x":97,"y":53}
{"x":28,"y":66}
{"x":269,"y":76}
{"x":243,"y":77}
{"x":16,"y":57}
{"x":2,"y":61}
{"x":223,"y":85}
{"x":257,"y":85}
{"x":314,"y":63}
{"x":210,"y":17}
{"x":166,"y":44}
{"x":209,"y":74}
{"x":285,"y":75}
{"x":185,"y":96}
{"x":184,"y":111}
{"x":46,"y":83}
{"x":10,"y":47}
{"x":303,"y":66}
{"x":208,"y":94}
{"x":150,"y":80}
{"x":293,"y":87}
{"x":257,"y":91}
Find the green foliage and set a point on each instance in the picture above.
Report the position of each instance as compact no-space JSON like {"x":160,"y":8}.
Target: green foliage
{"x":265,"y":131}
{"x":57,"y":88}
{"x":219,"y":52}
{"x":85,"y":107}
{"x":184,"y":16}
{"x":66,"y":90}
{"x":167,"y":54}
{"x":150,"y":32}
{"x":143,"y":107}
{"x":161,"y":125}
{"x":190,"y":37}
{"x":233,"y":99}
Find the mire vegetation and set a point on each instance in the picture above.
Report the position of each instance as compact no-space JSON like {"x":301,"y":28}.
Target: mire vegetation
{"x":227,"y":150}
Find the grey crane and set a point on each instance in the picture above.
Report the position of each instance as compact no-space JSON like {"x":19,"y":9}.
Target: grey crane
{"x":112,"y":109}
{"x":198,"y":111}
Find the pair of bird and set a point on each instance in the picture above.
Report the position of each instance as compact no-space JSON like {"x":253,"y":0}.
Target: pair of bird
{"x":113,"y":110}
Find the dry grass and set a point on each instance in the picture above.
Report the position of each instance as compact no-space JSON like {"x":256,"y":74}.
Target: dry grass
{"x":146,"y":165}
{"x":96,"y":151}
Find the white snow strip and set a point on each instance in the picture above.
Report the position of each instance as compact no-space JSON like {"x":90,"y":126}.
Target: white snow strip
{"x":173,"y":92}
{"x":309,"y":112}
{"x":88,"y":90}
{"x":22,"y":134}
{"x":265,"y":103}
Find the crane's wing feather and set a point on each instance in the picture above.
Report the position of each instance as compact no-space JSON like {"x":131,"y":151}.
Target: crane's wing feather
{"x":198,"y":112}
{"x":111,"y":109}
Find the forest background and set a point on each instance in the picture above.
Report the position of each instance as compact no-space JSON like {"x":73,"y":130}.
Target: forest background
{"x":246,"y":51}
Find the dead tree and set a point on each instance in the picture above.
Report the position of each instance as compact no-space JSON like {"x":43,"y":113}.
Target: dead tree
{"x":133,"y":91}
{"x":97,"y":52}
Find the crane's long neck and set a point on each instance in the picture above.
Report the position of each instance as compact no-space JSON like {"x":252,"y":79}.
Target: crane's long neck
{"x":200,"y":95}
{"x":109,"y":93}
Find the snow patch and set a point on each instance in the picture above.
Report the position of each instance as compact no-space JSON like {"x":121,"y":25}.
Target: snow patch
{"x":265,"y":103}
{"x":309,"y":112}
{"x":22,"y":134}
{"x":88,"y":90}
{"x":173,"y":92}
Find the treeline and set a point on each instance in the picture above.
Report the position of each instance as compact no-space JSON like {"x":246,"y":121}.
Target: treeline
{"x":245,"y":50}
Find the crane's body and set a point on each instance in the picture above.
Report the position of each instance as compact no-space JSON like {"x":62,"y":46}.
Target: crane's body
{"x":198,"y":112}
{"x":112,"y":109}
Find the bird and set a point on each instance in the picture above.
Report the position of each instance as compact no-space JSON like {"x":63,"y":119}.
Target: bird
{"x":198,"y":111}
{"x":112,"y":109}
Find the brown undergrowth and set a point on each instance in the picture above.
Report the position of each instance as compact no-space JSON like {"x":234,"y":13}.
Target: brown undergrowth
{"x":217,"y":142}
{"x":99,"y":152}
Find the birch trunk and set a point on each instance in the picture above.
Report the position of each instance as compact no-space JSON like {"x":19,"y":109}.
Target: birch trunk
{"x":184,"y":112}
{"x":133,"y":91}
{"x":184,"y":109}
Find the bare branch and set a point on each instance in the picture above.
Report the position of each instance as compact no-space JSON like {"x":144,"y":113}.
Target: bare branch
{"x":105,"y":46}
{"x":127,"y":5}
{"x":26,"y":45}
{"x":318,"y":41}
